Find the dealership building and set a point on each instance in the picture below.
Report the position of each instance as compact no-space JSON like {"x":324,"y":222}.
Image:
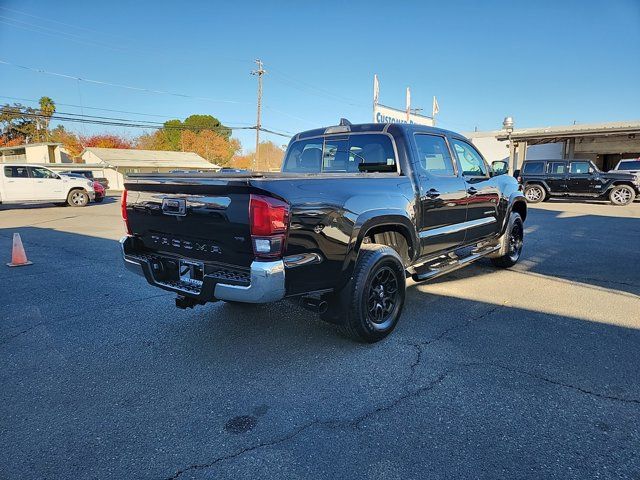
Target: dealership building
{"x":605,"y":144}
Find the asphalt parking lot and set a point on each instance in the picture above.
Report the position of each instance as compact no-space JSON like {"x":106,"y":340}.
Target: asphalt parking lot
{"x":531,"y":372}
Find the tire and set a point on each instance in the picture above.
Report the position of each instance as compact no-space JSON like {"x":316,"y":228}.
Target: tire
{"x":99,"y":199}
{"x":77,"y":198}
{"x":369,"y":307}
{"x":535,"y":193}
{"x":622,"y":195}
{"x":510,"y":243}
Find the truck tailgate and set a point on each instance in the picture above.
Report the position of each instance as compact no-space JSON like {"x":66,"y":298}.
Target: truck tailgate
{"x":206,"y":221}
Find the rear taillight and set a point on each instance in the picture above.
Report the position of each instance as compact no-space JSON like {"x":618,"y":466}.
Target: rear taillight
{"x":269,"y":221}
{"x":123,"y":210}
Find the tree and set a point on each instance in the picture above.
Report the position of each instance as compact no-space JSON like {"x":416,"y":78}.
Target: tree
{"x":198,"y":123}
{"x":270,"y":158}
{"x":18,"y":123}
{"x":211,"y":146}
{"x":107,"y":140}
{"x":47,"y":109}
{"x":69,"y":140}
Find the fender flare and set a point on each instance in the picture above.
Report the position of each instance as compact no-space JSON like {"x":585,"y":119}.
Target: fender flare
{"x":396,"y":218}
{"x":515,"y":198}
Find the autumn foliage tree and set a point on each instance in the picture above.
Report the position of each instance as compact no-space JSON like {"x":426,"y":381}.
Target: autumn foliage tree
{"x":269,"y":159}
{"x":210,"y":146}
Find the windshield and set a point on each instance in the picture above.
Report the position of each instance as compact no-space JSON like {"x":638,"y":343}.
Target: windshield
{"x":341,"y":154}
{"x":629,"y":165}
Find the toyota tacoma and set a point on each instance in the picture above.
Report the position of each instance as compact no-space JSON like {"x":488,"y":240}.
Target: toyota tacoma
{"x":355,"y":210}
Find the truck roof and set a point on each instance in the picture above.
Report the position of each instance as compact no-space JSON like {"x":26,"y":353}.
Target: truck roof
{"x":374,"y":127}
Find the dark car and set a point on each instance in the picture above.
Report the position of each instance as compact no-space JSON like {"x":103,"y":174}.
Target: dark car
{"x":544,"y":179}
{"x":89,"y":174}
{"x":355,"y":210}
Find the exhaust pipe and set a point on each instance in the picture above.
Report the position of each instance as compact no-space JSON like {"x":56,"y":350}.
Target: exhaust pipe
{"x":314,"y":304}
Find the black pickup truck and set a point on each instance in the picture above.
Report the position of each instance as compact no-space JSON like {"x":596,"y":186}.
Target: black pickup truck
{"x":355,"y":210}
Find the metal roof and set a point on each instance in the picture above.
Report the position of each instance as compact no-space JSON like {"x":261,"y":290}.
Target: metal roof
{"x":28,"y":145}
{"x":122,"y":157}
{"x":550,"y":134}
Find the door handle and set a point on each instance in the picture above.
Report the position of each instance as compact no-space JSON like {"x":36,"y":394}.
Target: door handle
{"x":433,"y":193}
{"x":472,"y":190}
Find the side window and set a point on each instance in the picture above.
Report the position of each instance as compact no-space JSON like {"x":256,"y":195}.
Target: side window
{"x":557,"y":167}
{"x":39,"y":172}
{"x":470,"y":160}
{"x":533,"y":167}
{"x":16,"y":172}
{"x":433,"y":155}
{"x":579,"y":167}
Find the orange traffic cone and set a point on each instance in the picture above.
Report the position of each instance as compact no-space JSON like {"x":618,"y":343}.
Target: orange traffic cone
{"x":18,"y":255}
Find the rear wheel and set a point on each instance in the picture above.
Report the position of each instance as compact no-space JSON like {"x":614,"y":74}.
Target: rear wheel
{"x":99,"y":199}
{"x":510,"y":243}
{"x":78,"y":198}
{"x":369,"y":307}
{"x":622,"y":195}
{"x":534,"y":193}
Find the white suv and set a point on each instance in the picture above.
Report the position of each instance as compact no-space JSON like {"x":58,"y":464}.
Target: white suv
{"x":21,"y":183}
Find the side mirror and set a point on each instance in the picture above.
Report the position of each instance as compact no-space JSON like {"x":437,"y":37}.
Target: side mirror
{"x":499,"y":167}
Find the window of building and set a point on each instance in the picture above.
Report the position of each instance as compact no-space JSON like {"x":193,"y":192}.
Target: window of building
{"x":433,"y":155}
{"x":470,"y":160}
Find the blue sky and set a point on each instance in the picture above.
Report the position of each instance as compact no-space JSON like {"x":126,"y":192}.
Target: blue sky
{"x":543,"y":62}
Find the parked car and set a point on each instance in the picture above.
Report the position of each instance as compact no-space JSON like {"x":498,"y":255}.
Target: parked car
{"x":629,"y":165}
{"x":355,"y":210}
{"x":89,"y":174}
{"x":544,"y":179}
{"x":100,"y":191}
{"x":29,"y":183}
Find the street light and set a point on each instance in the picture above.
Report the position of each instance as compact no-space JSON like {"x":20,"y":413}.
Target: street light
{"x":507,"y":124}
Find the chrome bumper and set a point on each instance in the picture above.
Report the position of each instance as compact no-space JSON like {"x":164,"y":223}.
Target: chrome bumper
{"x":266,"y":280}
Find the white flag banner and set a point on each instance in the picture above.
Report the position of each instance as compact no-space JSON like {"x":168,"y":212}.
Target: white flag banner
{"x":376,"y":89}
{"x":436,"y":107}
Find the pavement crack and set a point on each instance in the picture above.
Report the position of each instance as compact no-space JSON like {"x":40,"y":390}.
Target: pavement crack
{"x":269,"y":443}
{"x":565,"y":385}
{"x":330,"y":423}
{"x":419,"y":346}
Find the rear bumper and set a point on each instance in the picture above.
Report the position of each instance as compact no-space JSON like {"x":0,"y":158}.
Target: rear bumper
{"x":266,"y":284}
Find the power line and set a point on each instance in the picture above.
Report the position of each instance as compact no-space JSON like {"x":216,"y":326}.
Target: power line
{"x":96,"y":120}
{"x":129,"y":87}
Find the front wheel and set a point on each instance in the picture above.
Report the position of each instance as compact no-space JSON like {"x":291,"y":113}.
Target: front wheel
{"x":99,"y":199}
{"x":370,"y":305}
{"x":510,"y":243}
{"x":78,"y":198}
{"x":622,"y":195}
{"x":534,"y":193}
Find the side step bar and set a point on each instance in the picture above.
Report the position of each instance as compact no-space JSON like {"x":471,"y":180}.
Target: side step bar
{"x":454,"y":264}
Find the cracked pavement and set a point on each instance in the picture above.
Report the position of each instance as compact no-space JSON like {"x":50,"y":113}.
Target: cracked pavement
{"x":529,"y":373}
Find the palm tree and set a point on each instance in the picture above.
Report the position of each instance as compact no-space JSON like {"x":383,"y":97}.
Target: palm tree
{"x":47,"y":109}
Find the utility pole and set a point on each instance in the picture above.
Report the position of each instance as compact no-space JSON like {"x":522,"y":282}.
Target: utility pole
{"x":259,"y":73}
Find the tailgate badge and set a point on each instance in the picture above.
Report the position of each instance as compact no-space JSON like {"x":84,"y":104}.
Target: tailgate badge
{"x":174,"y":206}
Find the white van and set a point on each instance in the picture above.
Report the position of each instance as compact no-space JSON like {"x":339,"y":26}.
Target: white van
{"x":20,"y":183}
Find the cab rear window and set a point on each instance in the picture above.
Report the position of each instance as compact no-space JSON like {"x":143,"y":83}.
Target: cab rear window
{"x":341,"y":154}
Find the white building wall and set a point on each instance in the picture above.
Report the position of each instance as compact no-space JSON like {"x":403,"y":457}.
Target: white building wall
{"x":37,"y":154}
